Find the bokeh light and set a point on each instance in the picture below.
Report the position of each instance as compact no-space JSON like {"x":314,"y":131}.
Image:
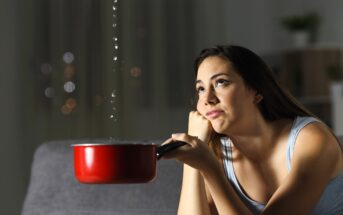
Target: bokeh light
{"x":66,"y":110}
{"x":46,"y":68}
{"x":69,"y":86}
{"x":136,"y":71}
{"x":49,"y":92}
{"x":69,"y":72}
{"x":71,"y":103}
{"x":68,"y":57}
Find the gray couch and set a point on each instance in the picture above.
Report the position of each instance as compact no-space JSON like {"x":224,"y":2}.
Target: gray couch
{"x":53,"y":189}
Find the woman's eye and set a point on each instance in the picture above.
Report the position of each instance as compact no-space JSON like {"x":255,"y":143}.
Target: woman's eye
{"x":199,"y":90}
{"x":221,"y":82}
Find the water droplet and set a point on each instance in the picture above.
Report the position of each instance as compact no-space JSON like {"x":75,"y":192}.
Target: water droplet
{"x":112,"y":117}
{"x":113,"y":94}
{"x":112,"y":97}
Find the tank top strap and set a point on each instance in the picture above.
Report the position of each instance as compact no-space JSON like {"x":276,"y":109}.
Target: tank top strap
{"x":255,"y":206}
{"x":298,"y":124}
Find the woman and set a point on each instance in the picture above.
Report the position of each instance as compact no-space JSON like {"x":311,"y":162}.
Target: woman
{"x":252,"y":149}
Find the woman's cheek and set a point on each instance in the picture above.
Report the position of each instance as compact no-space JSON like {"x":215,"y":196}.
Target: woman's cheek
{"x":200,"y":109}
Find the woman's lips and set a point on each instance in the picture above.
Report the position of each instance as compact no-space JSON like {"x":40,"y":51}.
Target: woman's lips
{"x":214,"y":114}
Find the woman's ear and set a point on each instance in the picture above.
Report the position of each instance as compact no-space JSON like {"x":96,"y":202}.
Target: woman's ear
{"x":258,"y":98}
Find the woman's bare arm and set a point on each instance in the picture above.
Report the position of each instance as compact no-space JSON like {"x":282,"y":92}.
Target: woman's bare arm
{"x":316,"y":159}
{"x":193,"y":198}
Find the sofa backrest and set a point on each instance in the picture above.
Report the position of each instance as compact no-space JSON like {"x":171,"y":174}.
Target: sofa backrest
{"x":53,"y":189}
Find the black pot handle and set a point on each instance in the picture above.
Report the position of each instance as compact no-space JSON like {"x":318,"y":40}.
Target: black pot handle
{"x":164,"y":149}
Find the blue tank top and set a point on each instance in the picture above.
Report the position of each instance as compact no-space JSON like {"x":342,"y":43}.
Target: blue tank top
{"x":330,"y":202}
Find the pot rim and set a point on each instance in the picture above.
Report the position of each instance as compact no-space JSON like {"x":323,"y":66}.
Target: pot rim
{"x":113,"y":144}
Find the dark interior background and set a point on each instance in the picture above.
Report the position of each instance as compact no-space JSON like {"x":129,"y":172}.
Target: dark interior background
{"x":123,"y":69}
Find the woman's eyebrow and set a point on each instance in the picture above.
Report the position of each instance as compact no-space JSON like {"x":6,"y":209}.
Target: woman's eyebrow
{"x":214,"y":76}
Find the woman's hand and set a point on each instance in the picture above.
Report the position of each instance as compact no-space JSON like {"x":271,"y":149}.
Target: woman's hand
{"x":196,"y":153}
{"x":199,"y":126}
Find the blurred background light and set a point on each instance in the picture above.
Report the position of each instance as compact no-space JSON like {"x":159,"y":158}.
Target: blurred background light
{"x":71,"y":103}
{"x":69,"y":86}
{"x":136,"y":72}
{"x":68,"y":57}
{"x":69,"y":71}
{"x":49,"y":92}
{"x":46,"y":68}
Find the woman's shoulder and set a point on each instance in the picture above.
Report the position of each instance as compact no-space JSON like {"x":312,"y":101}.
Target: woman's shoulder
{"x":314,"y":130}
{"x":317,"y":147}
{"x":311,"y":129}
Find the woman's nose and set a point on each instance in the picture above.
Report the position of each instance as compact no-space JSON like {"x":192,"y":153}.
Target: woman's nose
{"x":210,"y":97}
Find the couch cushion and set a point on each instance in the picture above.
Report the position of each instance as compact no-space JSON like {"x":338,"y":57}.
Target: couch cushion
{"x":53,"y":189}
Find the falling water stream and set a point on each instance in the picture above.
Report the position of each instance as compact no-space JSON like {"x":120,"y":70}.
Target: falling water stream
{"x":115,"y":41}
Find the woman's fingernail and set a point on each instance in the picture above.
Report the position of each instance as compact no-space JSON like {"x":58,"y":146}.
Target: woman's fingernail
{"x":175,"y":134}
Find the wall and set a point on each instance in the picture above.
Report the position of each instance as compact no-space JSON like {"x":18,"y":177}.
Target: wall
{"x":13,"y":170}
{"x":254,"y":24}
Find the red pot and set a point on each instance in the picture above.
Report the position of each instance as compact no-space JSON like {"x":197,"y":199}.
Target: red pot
{"x":103,"y":163}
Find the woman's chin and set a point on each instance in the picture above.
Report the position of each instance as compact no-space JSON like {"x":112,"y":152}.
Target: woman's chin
{"x":218,"y":126}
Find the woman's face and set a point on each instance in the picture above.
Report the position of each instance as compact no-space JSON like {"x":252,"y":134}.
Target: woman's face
{"x":224,"y":98}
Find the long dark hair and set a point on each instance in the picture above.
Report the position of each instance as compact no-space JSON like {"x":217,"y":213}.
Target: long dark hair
{"x":277,"y":103}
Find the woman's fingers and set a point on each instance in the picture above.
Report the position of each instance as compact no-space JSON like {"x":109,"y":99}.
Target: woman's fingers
{"x":182,"y":150}
{"x":191,"y":140}
{"x":169,"y":140}
{"x":196,"y":153}
{"x":199,"y":126}
{"x":176,"y":152}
